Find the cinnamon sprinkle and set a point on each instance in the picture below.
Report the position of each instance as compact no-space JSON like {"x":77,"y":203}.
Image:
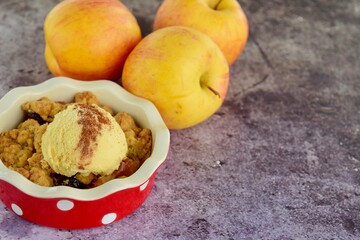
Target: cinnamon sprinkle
{"x":92,"y":121}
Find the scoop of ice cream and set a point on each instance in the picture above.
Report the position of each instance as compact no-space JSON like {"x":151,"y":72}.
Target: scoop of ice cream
{"x":84,"y":139}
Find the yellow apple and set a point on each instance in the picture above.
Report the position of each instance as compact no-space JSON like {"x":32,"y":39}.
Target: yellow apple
{"x":182,"y":71}
{"x":89,"y":39}
{"x":222,"y":20}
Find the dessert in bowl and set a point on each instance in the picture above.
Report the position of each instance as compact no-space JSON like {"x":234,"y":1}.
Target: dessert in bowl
{"x":69,"y":207}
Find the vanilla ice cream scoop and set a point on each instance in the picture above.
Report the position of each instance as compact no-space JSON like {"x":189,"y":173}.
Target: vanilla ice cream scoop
{"x":84,"y":139}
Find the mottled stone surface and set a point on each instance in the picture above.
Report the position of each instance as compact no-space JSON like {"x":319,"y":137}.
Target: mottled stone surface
{"x":279,"y":160}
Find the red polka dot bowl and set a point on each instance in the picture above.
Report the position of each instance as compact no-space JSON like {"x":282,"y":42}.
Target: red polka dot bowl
{"x":71,"y":208}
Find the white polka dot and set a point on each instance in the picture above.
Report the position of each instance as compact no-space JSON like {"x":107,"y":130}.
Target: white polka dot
{"x":108,"y":218}
{"x":16,"y":209}
{"x":65,"y":205}
{"x":142,"y":187}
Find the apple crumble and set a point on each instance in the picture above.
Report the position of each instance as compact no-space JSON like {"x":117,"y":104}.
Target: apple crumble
{"x":20,"y":148}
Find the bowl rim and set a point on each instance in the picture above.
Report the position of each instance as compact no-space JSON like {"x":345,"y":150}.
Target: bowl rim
{"x":161,"y":137}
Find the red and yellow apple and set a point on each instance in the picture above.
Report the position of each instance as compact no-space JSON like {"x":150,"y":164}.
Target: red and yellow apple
{"x":181,"y":71}
{"x":222,"y":20}
{"x":89,"y":39}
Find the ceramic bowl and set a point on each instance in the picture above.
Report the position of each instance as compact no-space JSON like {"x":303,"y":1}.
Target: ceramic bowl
{"x":71,"y":208}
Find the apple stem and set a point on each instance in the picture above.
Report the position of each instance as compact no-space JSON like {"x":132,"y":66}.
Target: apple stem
{"x":214,"y":91}
{"x":217,"y":5}
{"x":204,"y":84}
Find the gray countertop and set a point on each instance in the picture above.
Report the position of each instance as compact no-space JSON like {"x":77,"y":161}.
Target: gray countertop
{"x":281,"y":157}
